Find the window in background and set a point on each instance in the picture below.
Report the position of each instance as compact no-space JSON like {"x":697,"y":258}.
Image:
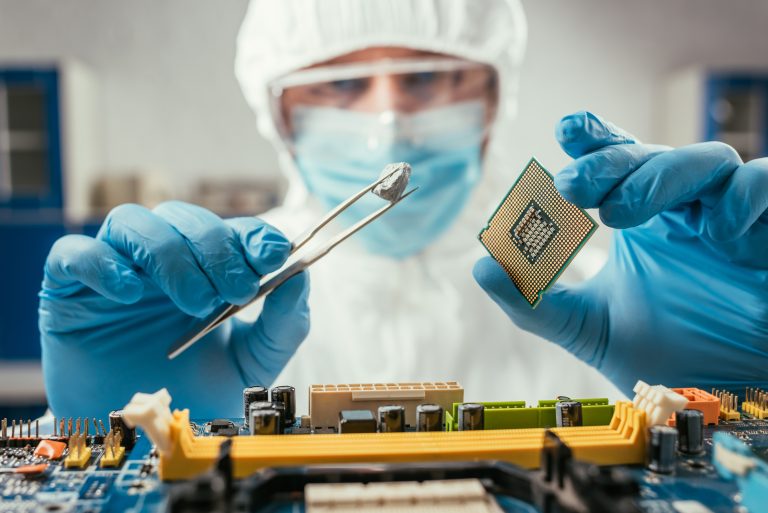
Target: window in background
{"x":701,"y":104}
{"x":30,"y":170}
{"x":738,"y":113}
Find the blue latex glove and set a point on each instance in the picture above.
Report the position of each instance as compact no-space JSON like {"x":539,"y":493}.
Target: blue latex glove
{"x":110,"y":307}
{"x":683,"y":299}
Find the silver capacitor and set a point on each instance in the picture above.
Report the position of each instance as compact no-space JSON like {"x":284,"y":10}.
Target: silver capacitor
{"x":265,"y":421}
{"x":287,"y":396}
{"x":391,"y":418}
{"x":252,"y":395}
{"x":662,"y":447}
{"x":471,"y":417}
{"x":429,"y":417}
{"x":690,"y":431}
{"x":568,"y":413}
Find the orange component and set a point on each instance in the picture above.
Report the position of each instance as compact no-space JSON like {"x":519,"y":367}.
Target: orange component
{"x":50,"y":449}
{"x":700,"y":400}
{"x":31,"y":469}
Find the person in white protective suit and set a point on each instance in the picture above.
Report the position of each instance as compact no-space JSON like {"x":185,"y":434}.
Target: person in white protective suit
{"x":342,"y":88}
{"x":433,"y":83}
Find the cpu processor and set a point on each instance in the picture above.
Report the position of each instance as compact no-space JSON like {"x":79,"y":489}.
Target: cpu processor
{"x":535,"y":232}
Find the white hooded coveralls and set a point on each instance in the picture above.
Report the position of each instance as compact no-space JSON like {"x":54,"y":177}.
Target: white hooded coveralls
{"x":375,"y":319}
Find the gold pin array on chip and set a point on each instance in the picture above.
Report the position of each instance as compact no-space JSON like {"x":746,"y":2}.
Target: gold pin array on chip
{"x":535,"y":232}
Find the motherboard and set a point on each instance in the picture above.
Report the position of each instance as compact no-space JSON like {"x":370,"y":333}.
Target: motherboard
{"x":399,"y":447}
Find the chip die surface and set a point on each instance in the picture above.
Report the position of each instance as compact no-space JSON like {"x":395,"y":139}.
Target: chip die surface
{"x":535,"y":232}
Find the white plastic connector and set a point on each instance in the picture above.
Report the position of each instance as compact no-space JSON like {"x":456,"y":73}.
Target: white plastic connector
{"x":152,"y":413}
{"x":658,"y":401}
{"x":732,"y":461}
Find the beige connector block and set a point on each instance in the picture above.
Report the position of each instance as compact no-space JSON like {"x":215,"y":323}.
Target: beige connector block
{"x":658,"y":401}
{"x":326,"y":401}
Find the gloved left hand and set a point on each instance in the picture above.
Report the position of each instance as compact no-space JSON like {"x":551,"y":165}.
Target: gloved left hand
{"x":111,"y":307}
{"x":683,"y":299}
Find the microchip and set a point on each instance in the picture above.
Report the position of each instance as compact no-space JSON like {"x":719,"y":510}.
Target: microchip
{"x":535,"y":232}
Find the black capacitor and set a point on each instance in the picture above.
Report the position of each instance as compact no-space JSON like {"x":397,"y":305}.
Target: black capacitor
{"x":471,"y":417}
{"x":220,"y":424}
{"x":356,"y":421}
{"x":287,"y":396}
{"x":230,"y":431}
{"x":117,"y":422}
{"x":252,"y":395}
{"x":429,"y":417}
{"x":662,"y":444}
{"x":568,"y":414}
{"x":690,"y":431}
{"x":391,"y":418}
{"x":224,"y":427}
{"x":265,"y":421}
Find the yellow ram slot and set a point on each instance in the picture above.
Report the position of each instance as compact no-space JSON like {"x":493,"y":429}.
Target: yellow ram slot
{"x":621,"y":442}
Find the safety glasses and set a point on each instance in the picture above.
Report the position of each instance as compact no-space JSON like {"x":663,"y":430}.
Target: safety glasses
{"x":402,"y":86}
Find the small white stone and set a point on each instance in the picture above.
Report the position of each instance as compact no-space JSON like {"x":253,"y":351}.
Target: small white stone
{"x":394,"y":185}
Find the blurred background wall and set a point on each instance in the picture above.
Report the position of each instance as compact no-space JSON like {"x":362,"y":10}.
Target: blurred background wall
{"x":150,"y":109}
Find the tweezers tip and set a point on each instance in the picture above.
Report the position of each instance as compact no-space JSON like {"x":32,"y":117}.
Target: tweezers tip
{"x":408,"y":193}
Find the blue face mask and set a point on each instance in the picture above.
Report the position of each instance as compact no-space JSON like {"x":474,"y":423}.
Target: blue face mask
{"x":338,"y":152}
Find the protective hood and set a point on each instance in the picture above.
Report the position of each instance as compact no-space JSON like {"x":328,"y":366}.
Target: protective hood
{"x":278,"y":37}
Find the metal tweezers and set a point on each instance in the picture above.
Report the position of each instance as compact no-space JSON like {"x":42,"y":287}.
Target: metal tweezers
{"x":202,"y":327}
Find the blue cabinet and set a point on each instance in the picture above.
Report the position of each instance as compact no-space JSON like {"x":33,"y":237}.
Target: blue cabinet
{"x":24,"y":248}
{"x":47,"y":139}
{"x":31,"y":200}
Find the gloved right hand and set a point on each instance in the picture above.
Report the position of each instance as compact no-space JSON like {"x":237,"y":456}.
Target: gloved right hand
{"x":110,"y":307}
{"x":683,"y":298}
